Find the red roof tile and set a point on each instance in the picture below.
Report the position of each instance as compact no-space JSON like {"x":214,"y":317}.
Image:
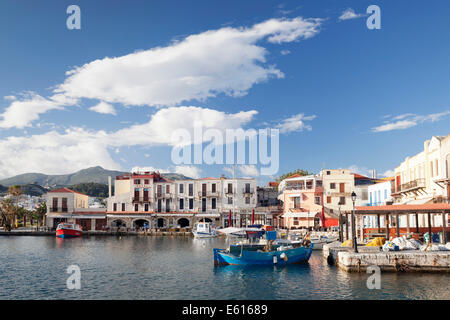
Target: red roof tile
{"x":66,"y":190}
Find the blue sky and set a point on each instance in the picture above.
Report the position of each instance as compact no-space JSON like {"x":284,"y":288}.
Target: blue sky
{"x":346,"y":79}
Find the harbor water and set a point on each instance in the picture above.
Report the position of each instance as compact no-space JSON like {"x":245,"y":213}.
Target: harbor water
{"x":140,"y":267}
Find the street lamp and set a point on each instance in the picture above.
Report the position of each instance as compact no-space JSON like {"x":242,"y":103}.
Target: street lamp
{"x":355,"y":245}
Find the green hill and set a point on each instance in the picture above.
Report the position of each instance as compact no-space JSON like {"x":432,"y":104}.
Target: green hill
{"x":89,"y":175}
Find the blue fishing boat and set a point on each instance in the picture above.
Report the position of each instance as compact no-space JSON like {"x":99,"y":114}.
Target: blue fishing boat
{"x":265,"y":252}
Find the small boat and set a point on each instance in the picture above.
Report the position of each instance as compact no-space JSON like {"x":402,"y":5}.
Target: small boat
{"x":320,"y":241}
{"x":205,"y":230}
{"x":264,"y":252}
{"x":68,"y":230}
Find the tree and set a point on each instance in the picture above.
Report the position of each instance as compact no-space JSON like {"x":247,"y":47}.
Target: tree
{"x":39,"y":213}
{"x":8,"y":211}
{"x":301,"y":172}
{"x":15,"y":191}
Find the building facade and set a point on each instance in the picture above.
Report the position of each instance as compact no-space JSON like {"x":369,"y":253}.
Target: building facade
{"x":423,"y":178}
{"x":149,"y":199}
{"x":66,"y":205}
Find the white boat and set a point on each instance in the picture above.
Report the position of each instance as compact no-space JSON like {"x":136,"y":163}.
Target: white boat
{"x":320,"y":241}
{"x":205,"y":230}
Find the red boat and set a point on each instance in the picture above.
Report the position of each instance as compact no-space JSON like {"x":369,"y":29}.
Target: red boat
{"x":68,"y":230}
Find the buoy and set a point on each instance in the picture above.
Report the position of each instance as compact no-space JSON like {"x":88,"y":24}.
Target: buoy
{"x":275,"y":260}
{"x":284,"y":256}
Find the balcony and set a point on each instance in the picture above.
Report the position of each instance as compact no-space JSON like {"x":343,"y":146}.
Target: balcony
{"x":202,"y":194}
{"x":59,"y":209}
{"x":248,"y":191}
{"x":230,"y":191}
{"x":141,"y":199}
{"x":413,"y":185}
{"x":441,"y":200}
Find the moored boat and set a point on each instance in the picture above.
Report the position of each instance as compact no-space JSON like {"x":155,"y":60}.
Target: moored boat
{"x":265,"y":252}
{"x":205,"y":230}
{"x":68,"y":230}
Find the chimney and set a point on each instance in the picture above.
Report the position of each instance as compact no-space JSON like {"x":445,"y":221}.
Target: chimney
{"x":109,"y":186}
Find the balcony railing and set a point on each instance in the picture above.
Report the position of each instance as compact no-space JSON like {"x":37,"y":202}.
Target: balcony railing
{"x":441,"y":200}
{"x":141,"y":199}
{"x":412,"y":185}
{"x":248,"y":190}
{"x":59,"y":209}
{"x":208,"y":194}
{"x":229,"y":191}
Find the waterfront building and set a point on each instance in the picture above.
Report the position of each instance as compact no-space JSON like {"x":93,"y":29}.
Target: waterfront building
{"x":302,"y":199}
{"x":424,"y":177}
{"x":149,"y":199}
{"x":66,"y":205}
{"x":268,"y":203}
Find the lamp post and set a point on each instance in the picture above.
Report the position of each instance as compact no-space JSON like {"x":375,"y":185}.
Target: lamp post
{"x":341,"y":235}
{"x":355,"y":245}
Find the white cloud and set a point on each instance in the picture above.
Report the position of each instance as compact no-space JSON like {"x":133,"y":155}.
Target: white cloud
{"x":248,"y":170}
{"x":78,"y":148}
{"x":408,"y":120}
{"x":285,"y":52}
{"x":201,"y":66}
{"x":388,"y":173}
{"x":21,"y":112}
{"x":295,"y":123}
{"x":189,"y":171}
{"x":10,"y":98}
{"x":350,"y":14}
{"x":360,"y":170}
{"x":104,"y":108}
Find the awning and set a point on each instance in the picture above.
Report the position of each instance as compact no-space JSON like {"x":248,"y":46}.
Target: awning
{"x":420,"y":201}
{"x":217,"y":215}
{"x":299,"y":215}
{"x":295,"y":195}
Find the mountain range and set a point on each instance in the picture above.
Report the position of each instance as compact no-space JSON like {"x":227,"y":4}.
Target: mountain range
{"x":89,"y":175}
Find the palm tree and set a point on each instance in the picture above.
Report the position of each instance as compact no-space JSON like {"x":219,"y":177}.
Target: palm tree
{"x":8,"y":211}
{"x":39,"y":213}
{"x":16,"y":192}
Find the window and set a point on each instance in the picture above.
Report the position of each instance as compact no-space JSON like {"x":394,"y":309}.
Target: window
{"x":159,"y":190}
{"x":136,"y":207}
{"x":328,"y":199}
{"x":317,"y":200}
{"x":230,"y":200}
{"x":115,"y":207}
{"x":181,"y":188}
{"x":431,"y":167}
{"x":167,"y":205}
{"x":328,"y":173}
{"x":230,"y":188}
{"x":55,"y":204}
{"x":247,"y":188}
{"x":297,"y":202}
{"x":385,"y":194}
{"x":146,"y":207}
{"x":318,"y":183}
{"x":64,"y":205}
{"x":168,"y":188}
{"x":181,"y":204}
{"x":437,"y":167}
{"x":159,"y":205}
{"x":213,"y":203}
{"x":123,"y":206}
{"x":247,"y":200}
{"x":191,"y":190}
{"x":146,"y":181}
{"x":137,"y":181}
{"x":342,"y":187}
{"x":191,"y":204}
{"x":332,"y":185}
{"x":213,"y":188}
{"x":342,"y":200}
{"x":203,"y":204}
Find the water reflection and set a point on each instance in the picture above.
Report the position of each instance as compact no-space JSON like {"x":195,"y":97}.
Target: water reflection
{"x":182,"y":268}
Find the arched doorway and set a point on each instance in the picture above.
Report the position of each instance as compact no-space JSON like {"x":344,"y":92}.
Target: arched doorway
{"x":183,"y":222}
{"x":118,"y":224}
{"x":160,"y":223}
{"x":205,"y":220}
{"x":141,"y":223}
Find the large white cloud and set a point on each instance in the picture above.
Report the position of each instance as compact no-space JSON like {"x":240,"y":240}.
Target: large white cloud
{"x":226,"y":60}
{"x":78,"y":148}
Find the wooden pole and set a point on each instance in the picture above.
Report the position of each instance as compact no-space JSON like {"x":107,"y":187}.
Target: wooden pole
{"x":417,"y":222}
{"x":444,"y":228}
{"x":429,"y":228}
{"x":341,"y":228}
{"x":378,"y":223}
{"x":346,"y":226}
{"x":407,"y":223}
{"x":387,"y":226}
{"x":397,"y":224}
